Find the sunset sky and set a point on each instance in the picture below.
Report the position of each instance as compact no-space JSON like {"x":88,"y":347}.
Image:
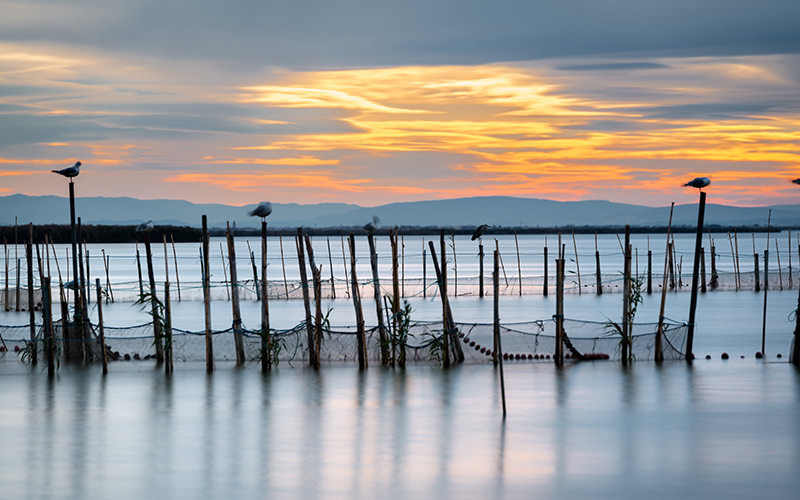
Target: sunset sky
{"x":372,"y":102}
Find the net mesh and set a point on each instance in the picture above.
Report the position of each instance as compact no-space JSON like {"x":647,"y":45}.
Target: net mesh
{"x":532,"y":341}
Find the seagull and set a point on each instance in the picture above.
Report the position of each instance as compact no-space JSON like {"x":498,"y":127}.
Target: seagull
{"x":370,"y":227}
{"x":698,"y":182}
{"x":70,"y":172}
{"x":479,"y":231}
{"x":262,"y":210}
{"x":145,"y":227}
{"x":796,"y":181}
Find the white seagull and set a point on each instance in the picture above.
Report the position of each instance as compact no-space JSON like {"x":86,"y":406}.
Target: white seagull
{"x":70,"y":172}
{"x":479,"y":231}
{"x":698,"y":182}
{"x":145,"y":227}
{"x":262,"y":210}
{"x":370,"y":227}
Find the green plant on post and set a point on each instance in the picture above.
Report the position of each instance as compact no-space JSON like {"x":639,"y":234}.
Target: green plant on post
{"x":399,"y":336}
{"x":146,"y":300}
{"x":635,"y":299}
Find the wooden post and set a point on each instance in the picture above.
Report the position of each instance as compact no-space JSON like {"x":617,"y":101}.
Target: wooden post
{"x":104,"y":354}
{"x":659,"y":350}
{"x":153,"y":301}
{"x":480,"y":267}
{"x":139,"y":268}
{"x":559,"y":347}
{"x":168,"y":367}
{"x":672,"y":265}
{"x":780,"y":272}
{"x":344,"y":265}
{"x":626,"y":299}
{"x":206,"y":263}
{"x":47,"y":303}
{"x":766,"y":290}
{"x":107,"y":263}
{"x":446,"y":320}
{"x":597,"y":272}
{"x":544,"y":287}
{"x":498,"y":347}
{"x":166,"y":261}
{"x":301,"y":260}
{"x":330,"y":264}
{"x":789,"y":252}
{"x":714,"y":276}
{"x":175,"y":260}
{"x":311,"y":261}
{"x":19,"y":278}
{"x":503,"y":267}
{"x":446,"y":311}
{"x":757,"y":285}
{"x":238,"y":340}
{"x":577,"y":262}
{"x":424,"y":271}
{"x":738,"y":268}
{"x":6,"y":296}
{"x":455,"y":263}
{"x":403,"y":265}
{"x":71,"y":351}
{"x":376,"y":287}
{"x":356,"y":294}
{"x":733,"y":258}
{"x":224,"y":272}
{"x":519,"y":265}
{"x":19,"y":268}
{"x":317,"y":278}
{"x":283,"y":267}
{"x":266,"y":335}
{"x":255,"y":271}
{"x":395,"y":293}
{"x":88,"y":273}
{"x":702,"y":270}
{"x":31,"y":305}
{"x":695,"y":269}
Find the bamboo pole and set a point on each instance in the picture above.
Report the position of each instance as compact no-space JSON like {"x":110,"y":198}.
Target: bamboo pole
{"x":498,"y":348}
{"x":19,"y":270}
{"x":139,"y":269}
{"x":544,"y":287}
{"x":283,"y":267}
{"x":166,"y":258}
{"x":107,"y":263}
{"x":47,"y":303}
{"x":168,"y":366}
{"x":395,"y":293}
{"x":88,"y":272}
{"x":695,"y":269}
{"x":424,"y":271}
{"x":702,"y":270}
{"x":597,"y":272}
{"x":733,"y":258}
{"x":311,"y":261}
{"x":455,"y":263}
{"x":104,"y":353}
{"x":224,"y":272}
{"x":738,"y":268}
{"x":766,"y":290}
{"x":446,"y":320}
{"x":789,"y":255}
{"x":255,"y":271}
{"x":238,"y":340}
{"x":626,"y":299}
{"x":577,"y":262}
{"x":175,"y":259}
{"x":780,"y":272}
{"x":5,"y":297}
{"x":403,"y":266}
{"x":301,"y":261}
{"x":756,"y":258}
{"x":31,"y":308}
{"x":659,"y":351}
{"x":497,"y":247}
{"x":65,"y":336}
{"x":356,"y":294}
{"x":16,"y":259}
{"x":480,"y":267}
{"x":558,"y":356}
{"x":376,"y":287}
{"x":519,"y":265}
{"x":153,"y":301}
{"x":344,"y":265}
{"x":205,"y":265}
{"x":266,"y":335}
{"x":317,"y":315}
{"x":330,"y":264}
{"x":446,"y":338}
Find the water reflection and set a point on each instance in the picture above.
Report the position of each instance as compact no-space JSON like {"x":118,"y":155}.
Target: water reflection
{"x":712,"y":429}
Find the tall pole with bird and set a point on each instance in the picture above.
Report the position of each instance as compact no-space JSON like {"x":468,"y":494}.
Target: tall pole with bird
{"x":699,"y":183}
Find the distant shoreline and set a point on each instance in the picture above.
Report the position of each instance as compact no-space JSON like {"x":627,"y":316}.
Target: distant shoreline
{"x":60,"y":233}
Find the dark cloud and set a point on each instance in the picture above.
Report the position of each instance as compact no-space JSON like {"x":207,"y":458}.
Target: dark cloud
{"x":621,"y":66}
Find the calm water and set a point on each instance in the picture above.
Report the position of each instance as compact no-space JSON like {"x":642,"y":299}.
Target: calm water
{"x":594,"y":430}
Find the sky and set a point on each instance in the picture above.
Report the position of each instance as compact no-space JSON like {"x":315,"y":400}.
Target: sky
{"x":372,"y":102}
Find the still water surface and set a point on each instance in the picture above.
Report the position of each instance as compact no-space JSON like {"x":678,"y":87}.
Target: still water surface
{"x":594,"y":430}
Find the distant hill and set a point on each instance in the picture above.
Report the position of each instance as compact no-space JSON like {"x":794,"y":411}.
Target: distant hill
{"x":493,"y":210}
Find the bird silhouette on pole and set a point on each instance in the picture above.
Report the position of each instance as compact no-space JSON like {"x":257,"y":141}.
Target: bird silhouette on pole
{"x":796,"y":181}
{"x":70,"y":172}
{"x":698,"y":182}
{"x":262,"y":210}
{"x":145,"y":227}
{"x":371,"y":226}
{"x":479,"y":231}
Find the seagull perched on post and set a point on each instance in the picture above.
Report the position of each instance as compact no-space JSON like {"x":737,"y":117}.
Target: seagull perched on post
{"x":698,"y":182}
{"x":145,"y":227}
{"x":371,"y":226}
{"x":479,"y":231}
{"x":70,"y":172}
{"x":796,"y":181}
{"x":262,"y":210}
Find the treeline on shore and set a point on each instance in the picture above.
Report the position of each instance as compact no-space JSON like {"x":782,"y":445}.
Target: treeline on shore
{"x":60,"y":233}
